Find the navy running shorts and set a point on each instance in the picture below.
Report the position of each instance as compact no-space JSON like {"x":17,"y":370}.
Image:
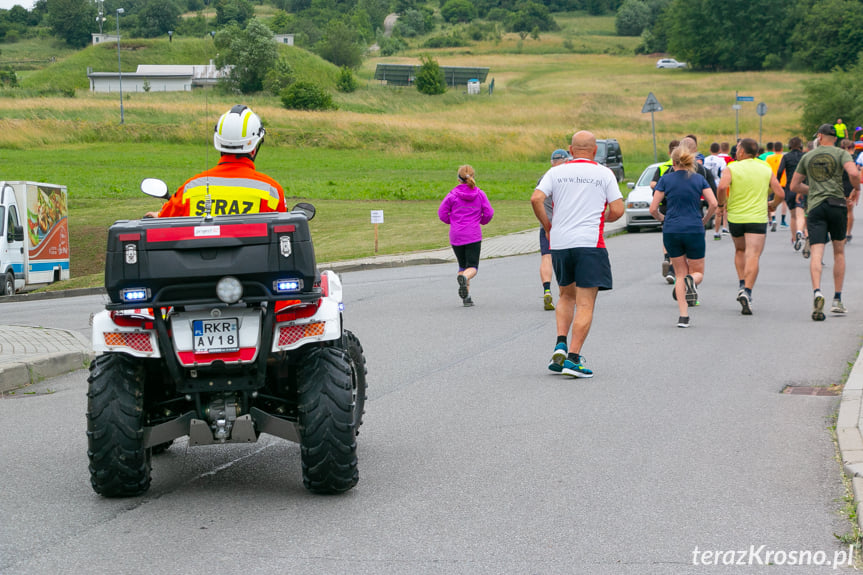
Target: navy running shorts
{"x":825,"y":220}
{"x":467,"y":255}
{"x":791,"y":200}
{"x":738,"y":230}
{"x":690,"y":245}
{"x":543,"y":243}
{"x":586,"y":267}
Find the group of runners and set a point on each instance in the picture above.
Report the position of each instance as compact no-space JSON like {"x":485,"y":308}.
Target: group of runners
{"x":574,"y":199}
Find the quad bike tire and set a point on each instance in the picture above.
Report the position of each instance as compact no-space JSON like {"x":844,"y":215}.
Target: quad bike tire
{"x":358,"y":376}
{"x":328,"y":446}
{"x":119,"y":462}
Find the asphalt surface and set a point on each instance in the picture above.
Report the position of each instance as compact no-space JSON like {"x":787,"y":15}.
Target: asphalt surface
{"x":642,"y":487}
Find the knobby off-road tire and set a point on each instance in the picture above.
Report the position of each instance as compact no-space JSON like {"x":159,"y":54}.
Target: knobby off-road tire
{"x":119,"y":463}
{"x":328,"y":446}
{"x":358,"y":376}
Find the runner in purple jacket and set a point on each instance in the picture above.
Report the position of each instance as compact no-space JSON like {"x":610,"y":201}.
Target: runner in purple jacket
{"x":465,"y":208}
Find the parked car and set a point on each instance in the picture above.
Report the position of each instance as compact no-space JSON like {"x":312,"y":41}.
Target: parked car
{"x":670,"y":63}
{"x":608,"y":154}
{"x":637,"y":207}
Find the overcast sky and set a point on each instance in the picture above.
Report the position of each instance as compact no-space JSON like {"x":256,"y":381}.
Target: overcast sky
{"x":28,"y":4}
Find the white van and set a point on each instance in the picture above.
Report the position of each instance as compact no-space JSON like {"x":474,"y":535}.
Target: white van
{"x":34,"y":235}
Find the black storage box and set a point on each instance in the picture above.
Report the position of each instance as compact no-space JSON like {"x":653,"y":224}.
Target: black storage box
{"x":180,"y":259}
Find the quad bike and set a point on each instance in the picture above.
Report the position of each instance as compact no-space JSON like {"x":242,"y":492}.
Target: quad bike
{"x":221,"y":329}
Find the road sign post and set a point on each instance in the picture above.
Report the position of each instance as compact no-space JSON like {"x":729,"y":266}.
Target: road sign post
{"x":761,"y":110}
{"x":736,"y":107}
{"x":652,"y":105}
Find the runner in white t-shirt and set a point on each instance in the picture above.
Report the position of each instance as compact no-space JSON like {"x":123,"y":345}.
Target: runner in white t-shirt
{"x":585,"y":196}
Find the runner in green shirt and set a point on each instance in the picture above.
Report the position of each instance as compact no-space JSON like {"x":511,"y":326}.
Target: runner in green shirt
{"x":827,"y":211}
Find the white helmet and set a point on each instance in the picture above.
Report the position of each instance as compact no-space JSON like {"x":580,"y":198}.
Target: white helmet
{"x":238,"y":131}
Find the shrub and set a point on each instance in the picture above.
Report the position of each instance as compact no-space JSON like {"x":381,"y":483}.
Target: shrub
{"x":279,"y":77}
{"x":347,"y":82}
{"x":453,"y":40}
{"x":458,"y":11}
{"x":430,"y":79}
{"x":307,"y":96}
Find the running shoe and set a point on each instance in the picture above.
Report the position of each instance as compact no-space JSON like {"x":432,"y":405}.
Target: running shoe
{"x":691,"y":293}
{"x":838,"y":306}
{"x":783,"y":225}
{"x":745,"y":302}
{"x":467,"y":302}
{"x":725,"y":231}
{"x":848,"y":239}
{"x":773,"y":226}
{"x":683,"y":321}
{"x":666,"y":268}
{"x":576,"y":369}
{"x":462,"y":286}
{"x":558,"y":357}
{"x":799,"y":241}
{"x":717,"y":236}
{"x":670,"y":277}
{"x":547,"y":301}
{"x":818,"y":307}
{"x":806,"y":251}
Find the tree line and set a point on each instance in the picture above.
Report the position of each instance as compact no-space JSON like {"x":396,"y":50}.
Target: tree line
{"x":735,"y":35}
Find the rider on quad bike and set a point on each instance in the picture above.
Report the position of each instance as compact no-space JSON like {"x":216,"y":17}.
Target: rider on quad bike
{"x":235,"y":187}
{"x":220,"y":327}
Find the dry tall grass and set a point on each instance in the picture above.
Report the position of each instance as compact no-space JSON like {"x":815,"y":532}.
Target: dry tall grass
{"x":538,"y":102}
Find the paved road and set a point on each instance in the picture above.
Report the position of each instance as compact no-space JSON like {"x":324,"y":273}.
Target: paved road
{"x":474,"y":458}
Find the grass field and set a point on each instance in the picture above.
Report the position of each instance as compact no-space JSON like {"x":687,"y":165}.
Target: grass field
{"x":386,"y":147}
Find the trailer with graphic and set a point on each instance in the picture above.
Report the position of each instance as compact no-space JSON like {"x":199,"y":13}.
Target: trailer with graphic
{"x":34,"y":235}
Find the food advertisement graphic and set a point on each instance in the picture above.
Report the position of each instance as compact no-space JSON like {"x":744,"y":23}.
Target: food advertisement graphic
{"x":47,"y":223}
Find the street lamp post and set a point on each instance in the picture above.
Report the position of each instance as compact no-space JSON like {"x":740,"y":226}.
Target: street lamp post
{"x":119,"y":66}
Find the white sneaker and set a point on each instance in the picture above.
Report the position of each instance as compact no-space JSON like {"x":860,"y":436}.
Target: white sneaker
{"x":838,"y":306}
{"x":818,"y":307}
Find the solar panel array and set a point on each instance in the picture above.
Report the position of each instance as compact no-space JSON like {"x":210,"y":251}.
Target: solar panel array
{"x":405,"y":74}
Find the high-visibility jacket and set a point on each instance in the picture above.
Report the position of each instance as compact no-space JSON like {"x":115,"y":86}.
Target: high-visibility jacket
{"x":234,"y":186}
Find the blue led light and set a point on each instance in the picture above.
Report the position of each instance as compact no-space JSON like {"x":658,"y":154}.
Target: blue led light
{"x":288,"y":285}
{"x":341,"y":306}
{"x":135,"y":294}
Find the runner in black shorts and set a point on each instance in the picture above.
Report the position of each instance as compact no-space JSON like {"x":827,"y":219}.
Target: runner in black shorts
{"x":827,"y":218}
{"x":744,"y":187}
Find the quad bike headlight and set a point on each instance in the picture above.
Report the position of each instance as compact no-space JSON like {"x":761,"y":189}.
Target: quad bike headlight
{"x":229,"y":289}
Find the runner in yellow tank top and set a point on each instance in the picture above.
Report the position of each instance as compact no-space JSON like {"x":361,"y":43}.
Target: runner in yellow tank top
{"x":744,"y":187}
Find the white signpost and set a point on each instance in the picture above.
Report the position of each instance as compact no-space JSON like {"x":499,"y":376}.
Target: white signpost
{"x":377,"y":218}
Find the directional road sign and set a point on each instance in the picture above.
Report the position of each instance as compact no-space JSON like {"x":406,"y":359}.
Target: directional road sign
{"x":745,"y":98}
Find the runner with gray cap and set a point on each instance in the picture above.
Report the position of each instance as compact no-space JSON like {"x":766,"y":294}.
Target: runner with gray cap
{"x":558,"y":156}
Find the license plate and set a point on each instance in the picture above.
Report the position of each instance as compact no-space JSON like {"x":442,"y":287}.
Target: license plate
{"x":216,"y":335}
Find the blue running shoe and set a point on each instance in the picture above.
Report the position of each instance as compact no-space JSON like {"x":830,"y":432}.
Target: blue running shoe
{"x":558,"y":358}
{"x":576,"y":369}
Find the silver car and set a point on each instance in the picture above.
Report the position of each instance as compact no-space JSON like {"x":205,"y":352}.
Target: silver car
{"x":637,"y":207}
{"x":670,"y":63}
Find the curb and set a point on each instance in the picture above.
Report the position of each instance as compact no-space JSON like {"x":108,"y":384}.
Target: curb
{"x":15,"y":376}
{"x":36,"y":296}
{"x":849,"y":437}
